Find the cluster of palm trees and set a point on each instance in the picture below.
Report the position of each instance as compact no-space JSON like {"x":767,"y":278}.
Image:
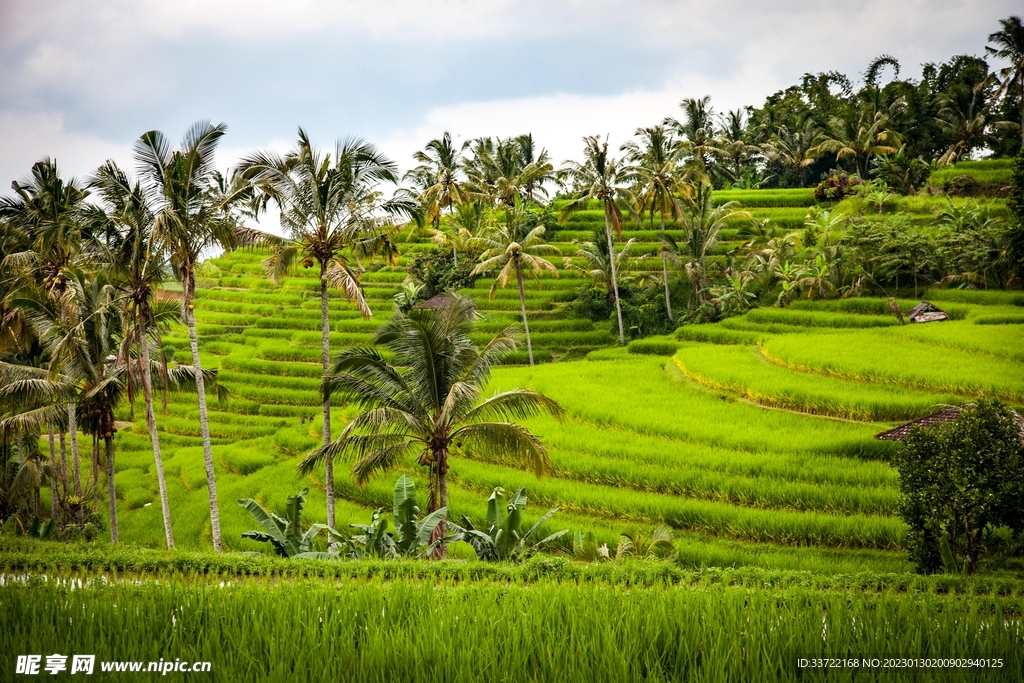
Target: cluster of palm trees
{"x":82,"y":312}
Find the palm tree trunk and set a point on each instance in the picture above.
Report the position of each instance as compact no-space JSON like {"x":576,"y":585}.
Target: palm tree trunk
{"x":111,"y":490}
{"x":54,"y":493}
{"x":325,"y":360}
{"x":63,"y":463}
{"x":76,"y":465}
{"x":439,"y":499}
{"x":522,"y":307}
{"x":95,"y":472}
{"x":76,"y":470}
{"x":615,"y":277}
{"x":204,"y":421}
{"x":147,"y":391}
{"x":664,"y":271}
{"x":455,"y":255}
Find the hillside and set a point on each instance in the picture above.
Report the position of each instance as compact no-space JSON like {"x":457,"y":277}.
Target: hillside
{"x":698,"y":440}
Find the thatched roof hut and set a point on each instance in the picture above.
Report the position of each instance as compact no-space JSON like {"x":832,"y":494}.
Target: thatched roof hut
{"x":949,"y":414}
{"x":437,"y":301}
{"x":926,"y":312}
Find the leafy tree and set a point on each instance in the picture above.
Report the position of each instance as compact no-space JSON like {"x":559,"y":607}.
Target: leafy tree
{"x":1015,"y":231}
{"x":438,"y":181}
{"x":967,"y":123}
{"x":958,"y":481}
{"x":901,"y":171}
{"x":48,"y":217}
{"x":500,"y":174}
{"x":330,"y":210}
{"x":602,"y":178}
{"x":512,"y":249}
{"x":425,"y":398}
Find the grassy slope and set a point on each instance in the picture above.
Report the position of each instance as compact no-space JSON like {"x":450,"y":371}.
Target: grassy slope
{"x":741,"y":484}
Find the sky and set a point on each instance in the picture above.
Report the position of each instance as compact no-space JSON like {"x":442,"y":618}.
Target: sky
{"x":80,"y":80}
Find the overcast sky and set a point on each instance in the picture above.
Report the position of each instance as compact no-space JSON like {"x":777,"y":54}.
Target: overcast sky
{"x":80,"y":80}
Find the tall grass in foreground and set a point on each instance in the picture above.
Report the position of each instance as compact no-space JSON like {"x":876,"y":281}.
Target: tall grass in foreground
{"x":402,"y":630}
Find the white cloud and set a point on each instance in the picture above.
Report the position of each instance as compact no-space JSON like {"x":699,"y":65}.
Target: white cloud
{"x":27,"y":138}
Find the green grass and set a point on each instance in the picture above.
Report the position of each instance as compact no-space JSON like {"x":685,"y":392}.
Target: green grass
{"x":710,"y":627}
{"x":745,"y":372}
{"x":893,"y":361}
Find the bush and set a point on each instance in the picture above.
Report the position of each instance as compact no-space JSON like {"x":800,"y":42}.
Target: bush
{"x":437,"y":271}
{"x":959,"y":480}
{"x":836,"y":187}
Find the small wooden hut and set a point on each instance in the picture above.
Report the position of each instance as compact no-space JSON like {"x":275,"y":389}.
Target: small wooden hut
{"x":926,"y":312}
{"x":949,"y":414}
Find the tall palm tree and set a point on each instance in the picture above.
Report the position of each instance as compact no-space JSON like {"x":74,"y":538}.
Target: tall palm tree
{"x":702,"y":223}
{"x":140,"y":268}
{"x":965,"y":123}
{"x":330,"y":209}
{"x":598,"y":265}
{"x":509,"y":170}
{"x":734,"y":142}
{"x":1009,"y":46}
{"x":181,"y":186}
{"x":696,"y":131}
{"x":605,"y":179}
{"x":438,"y":179}
{"x":49,"y":211}
{"x":425,"y":398}
{"x":514,"y":248}
{"x":660,"y":180}
{"x":859,"y":137}
{"x":793,"y":147}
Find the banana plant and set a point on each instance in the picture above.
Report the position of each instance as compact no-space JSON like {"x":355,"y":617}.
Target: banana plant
{"x":285,"y":534}
{"x":412,"y":535}
{"x":504,"y":539}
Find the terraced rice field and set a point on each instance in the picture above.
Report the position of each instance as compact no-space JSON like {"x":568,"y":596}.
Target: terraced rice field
{"x":752,"y":439}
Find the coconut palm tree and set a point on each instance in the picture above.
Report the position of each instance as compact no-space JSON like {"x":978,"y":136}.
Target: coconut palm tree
{"x":608,"y":181}
{"x":702,"y":222}
{"x":696,"y":132}
{"x":512,"y":169}
{"x":792,"y":147}
{"x":424,"y":398}
{"x":598,"y":266}
{"x":333,"y":214}
{"x":859,"y":137}
{"x":966,"y":123}
{"x":438,"y":180}
{"x":734,"y":143}
{"x":660,"y":179}
{"x":49,"y":212}
{"x":1009,"y":46}
{"x":513,"y":249}
{"x":140,"y":267}
{"x":182,"y":187}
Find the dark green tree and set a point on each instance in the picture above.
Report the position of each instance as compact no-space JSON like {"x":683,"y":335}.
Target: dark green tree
{"x":958,"y":481}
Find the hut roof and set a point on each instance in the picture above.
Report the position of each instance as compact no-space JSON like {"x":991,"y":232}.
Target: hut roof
{"x":926,"y":312}
{"x":949,"y":414}
{"x":437,"y":301}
